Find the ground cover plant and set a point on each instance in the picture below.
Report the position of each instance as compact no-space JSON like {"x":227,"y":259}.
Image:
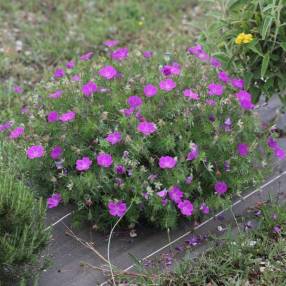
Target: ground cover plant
{"x":159,"y":136}
{"x":251,"y":37}
{"x":250,"y":257}
{"x":22,"y":226}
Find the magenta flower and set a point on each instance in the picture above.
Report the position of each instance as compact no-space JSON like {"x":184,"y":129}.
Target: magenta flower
{"x":16,"y":133}
{"x":167,"y":162}
{"x":56,"y":152}
{"x":5,"y":126}
{"x":146,"y":128}
{"x":175,"y":194}
{"x":86,"y":57}
{"x":194,"y":153}
{"x":83,"y":164}
{"x":120,"y":54}
{"x":18,"y":89}
{"x":174,"y":69}
{"x":89,"y":88}
{"x":215,"y":62}
{"x":108,"y":72}
{"x":70,"y":64}
{"x":162,"y":194}
{"x":279,"y":153}
{"x":127,"y":112}
{"x":56,"y":94}
{"x":244,"y":99}
{"x":68,"y":116}
{"x":237,"y":83}
{"x":242,"y":149}
{"x":120,"y":170}
{"x":186,"y":207}
{"x":134,"y":101}
{"x":117,"y":208}
{"x":150,"y":90}
{"x":53,"y":116}
{"x":215,"y":89}
{"x":272,"y":143}
{"x":113,"y":138}
{"x":211,"y":102}
{"x":167,"y":84}
{"x":54,"y":200}
{"x":111,"y":43}
{"x":59,"y":73}
{"x":190,"y":94}
{"x":223,"y":76}
{"x":76,"y":77}
{"x":147,"y":54}
{"x":220,"y":187}
{"x":36,"y":151}
{"x":204,"y":208}
{"x":104,"y":160}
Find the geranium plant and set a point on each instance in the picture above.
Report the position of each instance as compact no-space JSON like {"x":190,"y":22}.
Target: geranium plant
{"x":149,"y":138}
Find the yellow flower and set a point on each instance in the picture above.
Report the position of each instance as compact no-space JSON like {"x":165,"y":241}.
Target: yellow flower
{"x":243,"y":38}
{"x":140,"y":23}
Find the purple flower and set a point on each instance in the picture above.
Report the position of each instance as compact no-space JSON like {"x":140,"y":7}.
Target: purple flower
{"x":223,"y":76}
{"x":53,"y":116}
{"x":146,"y":128}
{"x":56,"y":94}
{"x":215,"y":62}
{"x":18,"y":89}
{"x":117,"y":208}
{"x":227,"y":125}
{"x":54,"y":200}
{"x":162,"y":194}
{"x":277,"y":229}
{"x":189,"y":180}
{"x":120,"y":169}
{"x":237,"y":83}
{"x":127,"y":112}
{"x":108,"y":72}
{"x":150,"y":90}
{"x":227,"y":166}
{"x":167,"y":162}
{"x":186,"y":207}
{"x":36,"y":151}
{"x":204,"y":208}
{"x":242,"y":149}
{"x":175,"y":194}
{"x":76,"y":77}
{"x":110,"y":43}
{"x":68,"y":116}
{"x":89,"y":88}
{"x":211,"y":102}
{"x":212,"y":118}
{"x":104,"y":160}
{"x":167,"y":84}
{"x":193,"y":241}
{"x":59,"y":73}
{"x":147,"y":54}
{"x":190,"y":94}
{"x":70,"y":64}
{"x":272,"y":143}
{"x":134,"y":101}
{"x":279,"y":153}
{"x":16,"y":133}
{"x":194,"y":153}
{"x":220,"y":187}
{"x":83,"y":164}
{"x":244,"y":99}
{"x":215,"y":89}
{"x":56,"y":152}
{"x":86,"y":57}
{"x":120,"y":54}
{"x":113,"y":138}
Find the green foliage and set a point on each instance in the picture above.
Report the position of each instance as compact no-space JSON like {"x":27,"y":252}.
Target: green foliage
{"x":179,"y":121}
{"x":262,"y":61}
{"x":22,"y":223}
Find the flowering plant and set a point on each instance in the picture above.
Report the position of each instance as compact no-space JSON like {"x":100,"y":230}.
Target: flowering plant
{"x":144,"y":137}
{"x":252,"y":40}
